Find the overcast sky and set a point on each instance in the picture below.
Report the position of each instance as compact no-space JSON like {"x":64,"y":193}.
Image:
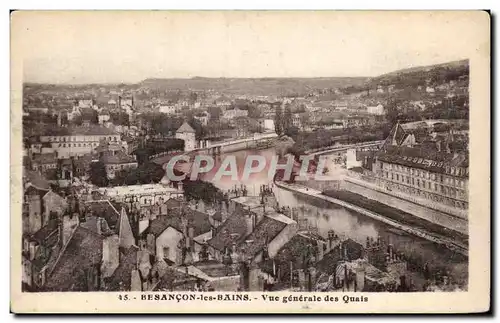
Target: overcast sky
{"x":109,"y":47}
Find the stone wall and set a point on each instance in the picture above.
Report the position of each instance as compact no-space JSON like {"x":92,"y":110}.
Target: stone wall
{"x":440,"y":218}
{"x":321,"y":185}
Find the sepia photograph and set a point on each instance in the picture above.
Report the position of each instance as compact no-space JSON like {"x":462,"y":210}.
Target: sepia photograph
{"x":318,"y":159}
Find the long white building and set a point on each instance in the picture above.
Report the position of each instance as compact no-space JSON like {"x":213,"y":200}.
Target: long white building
{"x":75,"y":141}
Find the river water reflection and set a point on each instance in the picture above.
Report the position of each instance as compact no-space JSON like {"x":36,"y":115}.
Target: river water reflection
{"x":327,"y":216}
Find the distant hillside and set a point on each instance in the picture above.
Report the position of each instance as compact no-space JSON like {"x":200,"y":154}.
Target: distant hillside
{"x":419,"y":75}
{"x":411,"y":78}
{"x":254,"y":86}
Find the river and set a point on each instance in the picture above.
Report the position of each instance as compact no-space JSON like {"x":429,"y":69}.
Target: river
{"x":327,"y":216}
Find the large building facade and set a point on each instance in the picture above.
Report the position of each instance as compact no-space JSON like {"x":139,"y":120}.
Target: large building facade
{"x":430,"y":171}
{"x":75,"y":141}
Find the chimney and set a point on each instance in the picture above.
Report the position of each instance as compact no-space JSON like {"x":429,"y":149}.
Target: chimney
{"x":143,"y":263}
{"x":184,"y":224}
{"x":191,"y":236}
{"x":151,"y":243}
{"x":390,"y":251}
{"x":320,"y":250}
{"x":66,"y":228}
{"x":360,"y":277}
{"x":99,"y":225}
{"x":250,"y":223}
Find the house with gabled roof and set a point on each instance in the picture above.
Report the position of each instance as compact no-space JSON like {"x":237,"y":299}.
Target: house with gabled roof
{"x":80,"y":251}
{"x":188,"y":134}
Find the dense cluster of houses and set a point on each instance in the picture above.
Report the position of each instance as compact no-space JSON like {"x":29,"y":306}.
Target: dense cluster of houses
{"x":150,"y":238}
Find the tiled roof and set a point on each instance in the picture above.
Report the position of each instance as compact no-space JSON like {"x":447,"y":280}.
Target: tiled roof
{"x":83,"y":251}
{"x":217,"y":216}
{"x":55,"y":199}
{"x":173,"y":204}
{"x":37,"y":180}
{"x":160,"y":224}
{"x":431,"y":160}
{"x":199,"y":221}
{"x":234,"y":229}
{"x":397,"y":135}
{"x":66,"y":161}
{"x":296,"y":250}
{"x":185,"y":127}
{"x":118,"y":157}
{"x":105,"y":210}
{"x":264,"y":233}
{"x":47,"y":238}
{"x":41,"y":235}
{"x":175,"y":278}
{"x":107,"y":146}
{"x":330,"y":260}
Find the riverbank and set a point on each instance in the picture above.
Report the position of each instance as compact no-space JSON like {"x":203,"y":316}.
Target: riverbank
{"x":395,"y":214}
{"x":452,"y":244}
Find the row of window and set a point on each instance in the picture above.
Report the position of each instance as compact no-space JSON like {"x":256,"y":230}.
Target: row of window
{"x":432,"y":196}
{"x":425,"y":174}
{"x":95,"y":144}
{"x":425,"y":184}
{"x":44,"y":167}
{"x":85,"y":138}
{"x":119,"y":167}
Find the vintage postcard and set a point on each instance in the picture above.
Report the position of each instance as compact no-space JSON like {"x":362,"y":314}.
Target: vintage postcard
{"x":250,"y":161}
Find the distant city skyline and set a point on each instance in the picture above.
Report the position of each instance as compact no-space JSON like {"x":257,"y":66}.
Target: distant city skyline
{"x":128,"y":47}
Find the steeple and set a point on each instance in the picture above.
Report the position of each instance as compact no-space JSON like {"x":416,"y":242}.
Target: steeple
{"x":126,"y":237}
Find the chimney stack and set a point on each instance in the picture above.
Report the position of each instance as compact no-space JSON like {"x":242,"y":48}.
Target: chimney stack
{"x":320,"y":250}
{"x":191,"y":236}
{"x":250,"y":223}
{"x":67,"y":225}
{"x":391,"y":252}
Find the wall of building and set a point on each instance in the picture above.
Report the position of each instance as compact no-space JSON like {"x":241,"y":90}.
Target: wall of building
{"x":443,"y":188}
{"x":76,"y":145}
{"x":189,"y":140}
{"x":351,"y":160}
{"x":27,"y":271}
{"x":443,"y":219}
{"x":170,"y":239}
